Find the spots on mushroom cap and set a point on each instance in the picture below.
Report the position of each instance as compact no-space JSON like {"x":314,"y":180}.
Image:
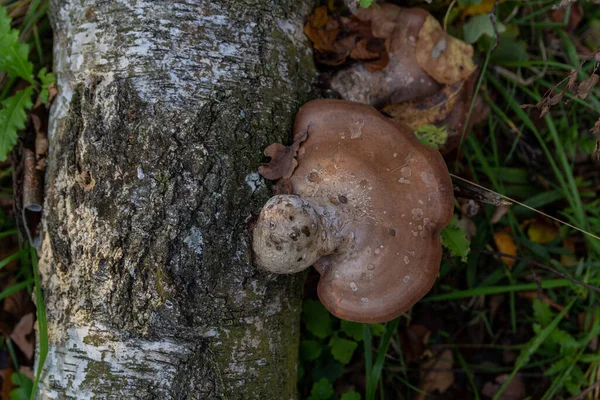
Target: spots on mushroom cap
{"x":356,"y":129}
{"x":353,"y":286}
{"x":406,"y":279}
{"x":364,"y":299}
{"x":417,"y":213}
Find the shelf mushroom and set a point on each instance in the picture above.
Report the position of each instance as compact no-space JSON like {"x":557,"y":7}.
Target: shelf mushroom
{"x":367,"y":203}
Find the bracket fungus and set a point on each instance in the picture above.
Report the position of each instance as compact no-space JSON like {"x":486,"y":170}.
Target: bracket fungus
{"x":366,"y":204}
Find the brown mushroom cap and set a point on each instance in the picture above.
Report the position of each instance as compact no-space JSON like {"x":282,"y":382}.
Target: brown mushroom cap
{"x":382,"y":191}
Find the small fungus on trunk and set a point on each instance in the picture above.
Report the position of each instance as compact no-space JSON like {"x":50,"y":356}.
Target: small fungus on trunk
{"x":367,"y":203}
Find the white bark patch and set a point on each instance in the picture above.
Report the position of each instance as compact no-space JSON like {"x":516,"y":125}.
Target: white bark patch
{"x":93,"y":356}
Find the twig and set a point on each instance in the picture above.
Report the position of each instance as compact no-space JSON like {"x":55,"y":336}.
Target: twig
{"x":542,"y":266}
{"x":587,"y":391}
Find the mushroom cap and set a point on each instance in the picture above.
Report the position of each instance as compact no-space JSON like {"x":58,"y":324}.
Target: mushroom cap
{"x":388,"y":194}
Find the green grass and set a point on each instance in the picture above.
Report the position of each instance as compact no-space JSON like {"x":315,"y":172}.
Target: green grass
{"x":26,"y":49}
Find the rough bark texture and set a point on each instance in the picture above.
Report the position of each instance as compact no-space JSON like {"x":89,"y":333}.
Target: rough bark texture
{"x":164,"y":110}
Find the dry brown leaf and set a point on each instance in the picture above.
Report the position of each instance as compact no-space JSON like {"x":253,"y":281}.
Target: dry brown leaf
{"x":514,"y":391}
{"x":506,"y":244}
{"x":20,"y":334}
{"x":575,"y":16}
{"x":584,"y":87}
{"x":7,"y":385}
{"x":436,"y":374}
{"x":568,"y":260}
{"x":283,"y":160}
{"x":321,"y":31}
{"x":413,"y":341}
{"x":425,"y":111}
{"x":446,"y":59}
{"x":499,"y":212}
{"x":361,"y":52}
{"x":41,"y":143}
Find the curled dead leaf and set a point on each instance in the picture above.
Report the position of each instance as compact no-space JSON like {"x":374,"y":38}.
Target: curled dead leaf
{"x":321,"y":31}
{"x":515,"y":390}
{"x":283,"y":159}
{"x":445,"y":58}
{"x":428,"y":110}
{"x":584,"y":87}
{"x":436,"y":374}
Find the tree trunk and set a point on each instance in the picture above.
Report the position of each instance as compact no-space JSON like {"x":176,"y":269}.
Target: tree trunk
{"x":164,"y":109}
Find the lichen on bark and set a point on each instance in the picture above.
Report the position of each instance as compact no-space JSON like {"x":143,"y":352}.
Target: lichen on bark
{"x":156,"y":136}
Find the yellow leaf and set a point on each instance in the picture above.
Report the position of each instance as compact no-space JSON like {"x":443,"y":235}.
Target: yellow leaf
{"x":505,"y":244}
{"x":542,"y":233}
{"x":485,"y":6}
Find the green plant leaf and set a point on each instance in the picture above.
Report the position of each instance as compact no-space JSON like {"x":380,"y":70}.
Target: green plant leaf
{"x":310,"y":350}
{"x":316,"y":318}
{"x":21,"y":392}
{"x":455,"y":240}
{"x":355,"y":330}
{"x":542,"y":312}
{"x":12,"y":119}
{"x":342,"y":349}
{"x":321,"y":390}
{"x":366,"y":3}
{"x":47,"y":79}
{"x":351,"y":395}
{"x":13,"y":54}
{"x":431,"y":135}
{"x":478,"y":26}
{"x":377,"y":329}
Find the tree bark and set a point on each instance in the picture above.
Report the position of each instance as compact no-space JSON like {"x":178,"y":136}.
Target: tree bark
{"x":164,"y":109}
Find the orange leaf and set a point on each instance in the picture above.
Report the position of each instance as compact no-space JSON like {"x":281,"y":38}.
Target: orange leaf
{"x":485,"y":6}
{"x":321,"y":30}
{"x":506,"y":244}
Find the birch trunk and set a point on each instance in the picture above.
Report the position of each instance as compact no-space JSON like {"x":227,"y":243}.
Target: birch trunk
{"x":156,"y":136}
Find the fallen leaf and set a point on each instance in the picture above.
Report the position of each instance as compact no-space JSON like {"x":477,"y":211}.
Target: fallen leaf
{"x":506,"y":244}
{"x":584,"y":87}
{"x":575,"y":16}
{"x":361,"y":52}
{"x":425,"y":111}
{"x":499,"y":212}
{"x":7,"y":385}
{"x":541,"y":232}
{"x":41,"y":143}
{"x":447,"y":59}
{"x":436,"y":374}
{"x":22,"y":335}
{"x":321,"y":31}
{"x":568,"y":260}
{"x":515,"y":390}
{"x":483,"y":7}
{"x":413,"y":341}
{"x":283,"y":159}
